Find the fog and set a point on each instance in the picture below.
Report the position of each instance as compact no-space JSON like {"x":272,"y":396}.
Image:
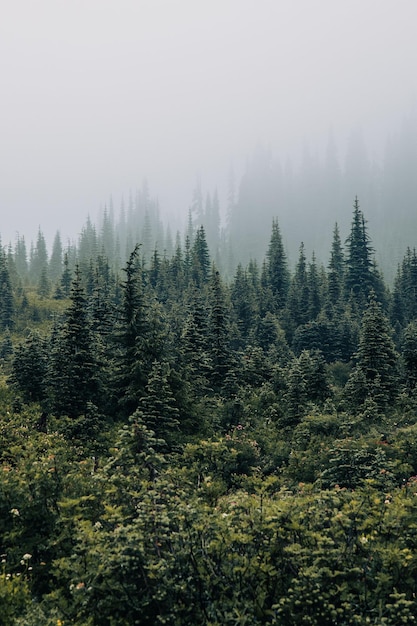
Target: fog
{"x":97,"y":95}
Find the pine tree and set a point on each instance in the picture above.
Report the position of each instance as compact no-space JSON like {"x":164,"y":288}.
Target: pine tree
{"x":39,"y":258}
{"x":315,"y":289}
{"x":336,"y":269}
{"x":87,"y":244}
{"x":409,"y":355}
{"x":130,"y":375}
{"x":55,"y":262}
{"x":195,"y":343}
{"x":157,"y":408}
{"x":66,"y":280}
{"x":21,"y":258}
{"x":29,"y":368}
{"x":44,"y":285}
{"x":376,"y":358}
{"x":7,"y":307}
{"x":200,"y":258}
{"x":298,"y":296}
{"x":278,"y":274}
{"x":244,"y":303}
{"x":73,"y":376}
{"x":361,"y":276}
{"x":219,"y":346}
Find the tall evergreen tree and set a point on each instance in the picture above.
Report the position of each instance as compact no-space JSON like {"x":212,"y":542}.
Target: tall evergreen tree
{"x":336,"y":269}
{"x":64,"y":288}
{"x":39,"y":258}
{"x":30,"y":368}
{"x":409,"y":355}
{"x":375,"y":375}
{"x":55,"y":262}
{"x":7,"y":307}
{"x":219,"y":336}
{"x":130,"y":375}
{"x":278,"y":274}
{"x":73,"y":376}
{"x":157,"y":408}
{"x":298,"y":296}
{"x":21,"y":258}
{"x":200,"y":258}
{"x":361,"y":276}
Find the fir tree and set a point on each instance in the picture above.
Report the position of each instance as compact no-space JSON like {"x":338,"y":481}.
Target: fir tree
{"x":278,"y":274}
{"x":218,"y":331}
{"x":66,"y":280}
{"x":336,"y":269}
{"x":361,"y":276}
{"x":55,"y":262}
{"x":200,"y":258}
{"x":157,"y":407}
{"x":7,"y":308}
{"x":409,"y":355}
{"x":39,"y":258}
{"x":29,"y":368}
{"x":73,"y":376}
{"x":376,"y":359}
{"x":130,"y":375}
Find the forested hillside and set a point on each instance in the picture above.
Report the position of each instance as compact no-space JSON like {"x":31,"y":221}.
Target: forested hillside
{"x":181,"y":446}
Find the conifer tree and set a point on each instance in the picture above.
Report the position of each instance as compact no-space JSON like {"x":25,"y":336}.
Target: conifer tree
{"x":278,"y":274}
{"x":21,"y":258}
{"x":315,"y":289}
{"x":30,"y":368}
{"x":195,"y":343}
{"x":73,"y":376}
{"x":44,"y":285}
{"x":130,"y":375}
{"x":298,"y":297}
{"x":7,"y":307}
{"x":55,"y":262}
{"x":361,"y":276}
{"x":200,"y":258}
{"x":157,"y":408}
{"x":336,"y":269}
{"x":409,"y":355}
{"x":243,"y":299}
{"x":376,"y":359}
{"x":218,"y":331}
{"x":39,"y":258}
{"x":66,"y":280}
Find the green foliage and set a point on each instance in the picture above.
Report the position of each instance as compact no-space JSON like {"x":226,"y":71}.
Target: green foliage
{"x":165,"y":458}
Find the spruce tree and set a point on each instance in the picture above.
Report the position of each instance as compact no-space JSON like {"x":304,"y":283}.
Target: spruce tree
{"x":200,"y":258}
{"x":409,"y":355}
{"x":55,"y":262}
{"x":29,"y":368}
{"x":7,"y":307}
{"x":361,"y":276}
{"x":244,"y":303}
{"x":157,"y":408}
{"x":219,"y":336}
{"x":73,"y":376}
{"x":39,"y":258}
{"x":278,"y":274}
{"x":336,"y":269}
{"x":130,"y":375}
{"x":376,"y":358}
{"x":298,"y":296}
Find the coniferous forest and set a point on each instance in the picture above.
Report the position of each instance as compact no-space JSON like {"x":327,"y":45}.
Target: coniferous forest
{"x":187,"y":440}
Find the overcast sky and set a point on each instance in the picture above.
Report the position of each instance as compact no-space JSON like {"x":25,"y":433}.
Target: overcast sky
{"x":98,"y":94}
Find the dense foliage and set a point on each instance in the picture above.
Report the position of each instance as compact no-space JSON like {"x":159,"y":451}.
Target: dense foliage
{"x":178,"y":448}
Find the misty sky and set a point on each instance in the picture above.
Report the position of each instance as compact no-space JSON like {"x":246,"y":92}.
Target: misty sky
{"x":98,"y":94}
